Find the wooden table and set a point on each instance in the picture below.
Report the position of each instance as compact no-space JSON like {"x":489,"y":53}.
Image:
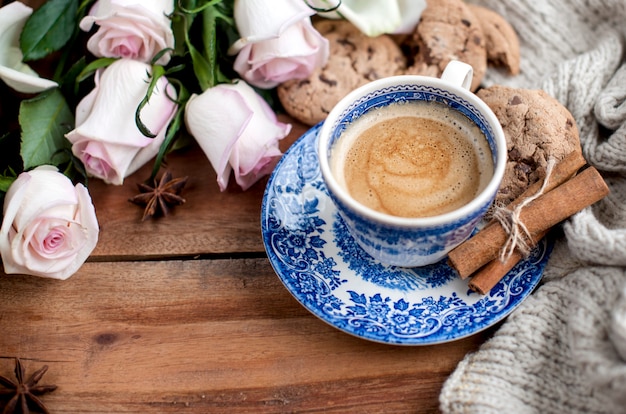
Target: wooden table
{"x":185,"y":314}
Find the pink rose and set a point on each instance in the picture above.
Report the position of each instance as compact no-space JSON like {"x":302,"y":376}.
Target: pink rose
{"x":237,"y":130}
{"x":49,"y":226}
{"x":106,"y":138}
{"x":278,"y":42}
{"x":130,"y":29}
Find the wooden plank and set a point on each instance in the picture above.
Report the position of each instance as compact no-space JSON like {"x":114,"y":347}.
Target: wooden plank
{"x":210,"y":222}
{"x":204,"y":335}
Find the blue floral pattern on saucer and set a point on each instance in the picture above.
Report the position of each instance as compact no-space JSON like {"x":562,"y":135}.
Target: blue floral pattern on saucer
{"x":313,"y":254}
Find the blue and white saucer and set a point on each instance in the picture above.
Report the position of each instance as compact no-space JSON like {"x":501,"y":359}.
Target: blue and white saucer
{"x":328,"y":273}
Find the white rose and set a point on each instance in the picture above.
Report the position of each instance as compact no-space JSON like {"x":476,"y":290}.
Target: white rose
{"x":278,"y":42}
{"x":237,"y":130}
{"x":49,"y":226}
{"x":106,"y":138}
{"x":130,"y":29}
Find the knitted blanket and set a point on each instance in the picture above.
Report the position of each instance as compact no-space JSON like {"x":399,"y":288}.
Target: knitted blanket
{"x":564,"y":349}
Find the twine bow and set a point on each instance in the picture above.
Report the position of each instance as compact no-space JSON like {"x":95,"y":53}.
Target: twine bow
{"x":509,"y":219}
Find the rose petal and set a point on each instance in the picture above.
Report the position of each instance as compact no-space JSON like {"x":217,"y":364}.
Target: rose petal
{"x":410,"y":12}
{"x":13,"y":71}
{"x":39,"y":261}
{"x":46,"y":184}
{"x":98,"y":162}
{"x":375,"y":17}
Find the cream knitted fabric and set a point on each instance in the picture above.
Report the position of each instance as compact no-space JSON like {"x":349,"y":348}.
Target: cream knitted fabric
{"x":550,"y":356}
{"x":564,"y":349}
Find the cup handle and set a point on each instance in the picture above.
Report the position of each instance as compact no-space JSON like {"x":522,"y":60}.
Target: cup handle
{"x":458,"y":73}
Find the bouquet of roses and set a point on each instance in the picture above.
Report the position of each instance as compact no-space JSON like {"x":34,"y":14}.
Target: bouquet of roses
{"x":131,"y":81}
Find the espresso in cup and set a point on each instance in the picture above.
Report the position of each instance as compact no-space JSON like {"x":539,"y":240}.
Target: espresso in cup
{"x":418,"y":159}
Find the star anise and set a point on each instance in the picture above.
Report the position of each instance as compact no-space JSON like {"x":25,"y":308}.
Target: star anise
{"x":160,"y":196}
{"x":24,"y":394}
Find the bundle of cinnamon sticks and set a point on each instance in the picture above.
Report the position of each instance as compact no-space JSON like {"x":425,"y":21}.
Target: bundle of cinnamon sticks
{"x":568,"y":189}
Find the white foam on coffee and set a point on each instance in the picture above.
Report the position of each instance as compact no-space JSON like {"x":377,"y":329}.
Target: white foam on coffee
{"x":414,"y":177}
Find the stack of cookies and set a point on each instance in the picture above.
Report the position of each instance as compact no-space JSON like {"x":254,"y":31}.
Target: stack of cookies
{"x":448,"y":30}
{"x":536,"y":125}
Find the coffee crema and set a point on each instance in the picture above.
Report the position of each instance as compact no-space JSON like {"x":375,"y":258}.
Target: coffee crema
{"x":412,"y":160}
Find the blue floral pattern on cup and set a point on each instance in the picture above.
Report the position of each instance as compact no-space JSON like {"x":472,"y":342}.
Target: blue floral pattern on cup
{"x":329,"y":274}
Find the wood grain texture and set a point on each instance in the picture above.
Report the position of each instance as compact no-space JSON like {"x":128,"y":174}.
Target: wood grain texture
{"x":186,"y":315}
{"x":204,"y":336}
{"x":210,"y":222}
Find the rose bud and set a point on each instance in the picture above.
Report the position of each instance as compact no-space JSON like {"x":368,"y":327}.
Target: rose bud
{"x":237,"y":130}
{"x":106,"y":138}
{"x":281,"y":46}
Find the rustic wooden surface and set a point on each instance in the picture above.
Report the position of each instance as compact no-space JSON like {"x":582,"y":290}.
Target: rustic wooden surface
{"x":185,"y":314}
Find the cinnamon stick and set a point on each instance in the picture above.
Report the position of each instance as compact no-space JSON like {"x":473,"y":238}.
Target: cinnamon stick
{"x":490,"y":274}
{"x":543,"y":213}
{"x":562,"y":171}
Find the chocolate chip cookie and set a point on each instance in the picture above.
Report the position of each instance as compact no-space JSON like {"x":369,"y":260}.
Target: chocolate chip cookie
{"x":354,"y":60}
{"x":447,"y":30}
{"x":536,"y":127}
{"x":502,"y":43}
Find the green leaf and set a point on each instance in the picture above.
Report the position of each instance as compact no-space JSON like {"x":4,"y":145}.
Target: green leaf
{"x":5,"y":182}
{"x":44,"y":120}
{"x":89,"y":69}
{"x":48,"y":29}
{"x":69,"y":83}
{"x":202,"y":68}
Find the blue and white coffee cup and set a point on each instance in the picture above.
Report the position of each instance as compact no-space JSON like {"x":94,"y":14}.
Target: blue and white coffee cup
{"x":403,"y":241}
